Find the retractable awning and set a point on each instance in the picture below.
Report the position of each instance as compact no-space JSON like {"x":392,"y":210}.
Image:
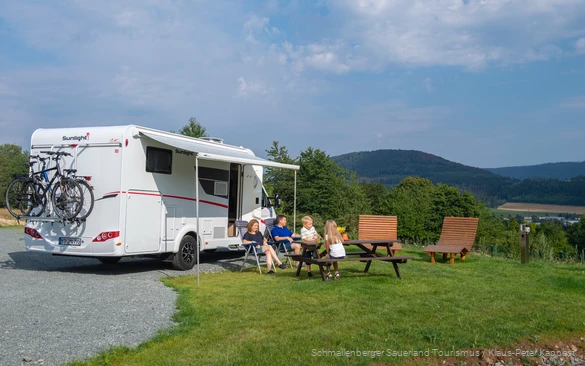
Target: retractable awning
{"x":205,"y":150}
{"x":211,"y":151}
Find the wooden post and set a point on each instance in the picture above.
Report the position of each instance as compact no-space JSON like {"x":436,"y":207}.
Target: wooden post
{"x":524,"y":244}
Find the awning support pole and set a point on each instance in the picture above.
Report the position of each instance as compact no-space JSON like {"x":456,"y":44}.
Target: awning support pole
{"x":198,"y":244}
{"x":295,"y":206}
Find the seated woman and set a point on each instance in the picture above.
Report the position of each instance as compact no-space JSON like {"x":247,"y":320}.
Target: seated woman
{"x":254,"y":236}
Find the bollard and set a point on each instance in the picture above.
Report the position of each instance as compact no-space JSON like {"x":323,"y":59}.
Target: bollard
{"x":493,"y":250}
{"x":561,"y":254}
{"x":524,"y":244}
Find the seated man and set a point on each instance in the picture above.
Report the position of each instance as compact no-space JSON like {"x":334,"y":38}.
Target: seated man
{"x":280,"y":233}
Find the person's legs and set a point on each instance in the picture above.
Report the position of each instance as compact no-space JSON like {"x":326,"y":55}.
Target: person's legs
{"x":297,"y":248}
{"x":335,"y":266}
{"x":268,"y":257}
{"x":270,"y":253}
{"x":309,"y":254}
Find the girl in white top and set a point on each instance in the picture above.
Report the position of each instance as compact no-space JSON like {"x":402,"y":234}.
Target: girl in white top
{"x":334,"y":245}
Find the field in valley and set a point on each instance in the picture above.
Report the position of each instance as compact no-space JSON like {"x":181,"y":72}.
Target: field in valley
{"x":537,"y":208}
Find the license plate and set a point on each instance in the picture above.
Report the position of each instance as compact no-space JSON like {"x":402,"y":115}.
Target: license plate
{"x":70,"y":241}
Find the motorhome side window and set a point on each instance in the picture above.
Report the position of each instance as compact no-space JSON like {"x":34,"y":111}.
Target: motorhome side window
{"x":159,"y":160}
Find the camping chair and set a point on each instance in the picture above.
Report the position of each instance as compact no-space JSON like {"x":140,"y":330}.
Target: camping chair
{"x":280,"y":246}
{"x":379,"y":227}
{"x":242,"y":227}
{"x":457,"y":236}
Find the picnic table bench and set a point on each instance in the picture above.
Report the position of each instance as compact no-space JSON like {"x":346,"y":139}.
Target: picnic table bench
{"x":368,"y":254}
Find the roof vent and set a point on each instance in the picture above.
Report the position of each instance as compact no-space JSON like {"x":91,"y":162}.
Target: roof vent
{"x":212,"y":139}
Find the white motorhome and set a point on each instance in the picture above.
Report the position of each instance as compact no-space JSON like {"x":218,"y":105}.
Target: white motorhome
{"x":157,"y":194}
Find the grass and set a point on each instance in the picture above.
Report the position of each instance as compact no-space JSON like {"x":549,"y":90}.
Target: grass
{"x":7,"y":220}
{"x":247,"y":318}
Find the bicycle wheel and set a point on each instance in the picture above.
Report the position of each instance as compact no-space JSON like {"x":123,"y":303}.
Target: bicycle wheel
{"x":88,"y":199}
{"x":67,"y":198}
{"x":18,"y":197}
{"x":38,"y":199}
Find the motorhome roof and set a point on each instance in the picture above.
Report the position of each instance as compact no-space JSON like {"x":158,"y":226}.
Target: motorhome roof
{"x":208,"y":150}
{"x":205,"y":149}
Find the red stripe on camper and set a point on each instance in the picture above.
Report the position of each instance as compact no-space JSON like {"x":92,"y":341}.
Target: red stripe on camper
{"x":195,"y":200}
{"x":145,"y":194}
{"x":180,"y":198}
{"x":170,"y":196}
{"x":213,"y":203}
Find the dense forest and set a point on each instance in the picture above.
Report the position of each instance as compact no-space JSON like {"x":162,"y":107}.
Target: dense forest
{"x":390,"y":167}
{"x":549,"y":170}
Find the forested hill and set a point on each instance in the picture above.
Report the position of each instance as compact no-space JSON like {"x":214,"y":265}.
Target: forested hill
{"x":549,"y":170}
{"x":389,"y":167}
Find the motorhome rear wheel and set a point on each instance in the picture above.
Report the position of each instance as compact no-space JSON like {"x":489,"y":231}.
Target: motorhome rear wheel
{"x":186,"y":257}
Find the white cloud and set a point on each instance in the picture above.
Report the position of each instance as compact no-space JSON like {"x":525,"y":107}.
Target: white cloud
{"x":322,"y":56}
{"x":580,"y":46}
{"x":473,"y":34}
{"x":250,"y":88}
{"x":428,"y":84}
{"x":577,"y":102}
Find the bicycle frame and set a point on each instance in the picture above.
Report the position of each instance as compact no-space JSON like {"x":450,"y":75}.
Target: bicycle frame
{"x":41,"y":179}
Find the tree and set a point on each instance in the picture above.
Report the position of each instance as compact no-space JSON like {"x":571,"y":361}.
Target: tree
{"x":412,"y":202}
{"x":193,"y":129}
{"x":555,"y":235}
{"x":12,"y":160}
{"x":322,"y":185}
{"x":576,"y":234}
{"x":280,"y":181}
{"x":376,"y":194}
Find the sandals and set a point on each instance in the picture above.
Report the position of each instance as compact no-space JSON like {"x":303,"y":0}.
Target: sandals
{"x":336,"y":276}
{"x":329,"y":276}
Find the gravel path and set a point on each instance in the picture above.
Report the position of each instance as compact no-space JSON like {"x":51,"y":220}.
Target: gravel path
{"x":58,"y":309}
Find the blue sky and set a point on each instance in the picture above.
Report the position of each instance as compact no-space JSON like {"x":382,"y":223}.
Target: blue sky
{"x":486,"y":83}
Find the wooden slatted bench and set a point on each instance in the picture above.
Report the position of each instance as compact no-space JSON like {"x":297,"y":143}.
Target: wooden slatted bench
{"x":399,"y":259}
{"x":362,"y":258}
{"x":457,"y":237}
{"x":379,"y":227}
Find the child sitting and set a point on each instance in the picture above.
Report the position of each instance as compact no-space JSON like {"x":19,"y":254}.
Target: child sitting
{"x":334,"y":245}
{"x":308,"y":233}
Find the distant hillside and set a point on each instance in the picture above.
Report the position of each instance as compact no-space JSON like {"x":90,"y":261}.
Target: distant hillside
{"x":389,"y":167}
{"x":549,"y":170}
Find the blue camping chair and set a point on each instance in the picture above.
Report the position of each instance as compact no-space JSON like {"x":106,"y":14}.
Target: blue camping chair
{"x":282,"y":246}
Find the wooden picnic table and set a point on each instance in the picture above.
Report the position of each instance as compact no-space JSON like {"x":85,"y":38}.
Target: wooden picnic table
{"x":366,"y":255}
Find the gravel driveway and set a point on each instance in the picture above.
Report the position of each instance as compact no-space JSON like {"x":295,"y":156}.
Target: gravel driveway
{"x":56,"y":309}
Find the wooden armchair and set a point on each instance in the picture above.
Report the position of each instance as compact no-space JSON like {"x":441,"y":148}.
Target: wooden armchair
{"x":457,"y":236}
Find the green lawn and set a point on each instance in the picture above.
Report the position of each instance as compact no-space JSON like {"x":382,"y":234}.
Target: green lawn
{"x":249,"y":319}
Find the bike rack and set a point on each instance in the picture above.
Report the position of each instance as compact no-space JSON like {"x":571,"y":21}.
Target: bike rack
{"x":52,"y":220}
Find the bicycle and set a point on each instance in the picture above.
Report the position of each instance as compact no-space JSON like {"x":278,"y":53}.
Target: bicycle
{"x":25,"y":193}
{"x":88,"y":196}
{"x":87,"y":189}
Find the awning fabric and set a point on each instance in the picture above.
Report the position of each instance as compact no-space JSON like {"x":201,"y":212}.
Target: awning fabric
{"x":213,"y":151}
